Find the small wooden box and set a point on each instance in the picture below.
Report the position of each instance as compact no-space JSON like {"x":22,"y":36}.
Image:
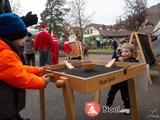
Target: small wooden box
{"x":88,"y":66}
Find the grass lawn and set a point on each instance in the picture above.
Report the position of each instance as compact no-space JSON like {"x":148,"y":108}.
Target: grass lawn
{"x":101,"y":51}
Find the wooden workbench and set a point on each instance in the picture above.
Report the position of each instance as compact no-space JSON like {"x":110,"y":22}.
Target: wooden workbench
{"x":92,"y":82}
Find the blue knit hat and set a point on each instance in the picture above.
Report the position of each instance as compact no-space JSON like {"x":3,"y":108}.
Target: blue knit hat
{"x":12,"y":27}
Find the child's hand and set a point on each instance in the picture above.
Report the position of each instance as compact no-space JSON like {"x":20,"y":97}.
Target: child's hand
{"x":42,"y":71}
{"x":120,"y":59}
{"x":43,"y":68}
{"x":46,"y":79}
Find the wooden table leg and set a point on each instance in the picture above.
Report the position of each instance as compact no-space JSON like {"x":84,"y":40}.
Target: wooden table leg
{"x":97,"y":96}
{"x":68,"y":100}
{"x":42,"y":104}
{"x":133,"y":101}
{"x":149,"y":79}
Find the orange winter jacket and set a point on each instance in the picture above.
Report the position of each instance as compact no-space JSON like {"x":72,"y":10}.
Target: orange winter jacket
{"x":14,"y":73}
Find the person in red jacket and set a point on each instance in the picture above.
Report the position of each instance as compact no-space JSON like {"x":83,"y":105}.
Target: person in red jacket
{"x":67,"y":48}
{"x":42,"y":43}
{"x":14,"y":76}
{"x":54,"y":50}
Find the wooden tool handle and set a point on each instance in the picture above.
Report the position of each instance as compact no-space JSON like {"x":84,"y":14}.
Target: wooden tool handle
{"x":69,"y":65}
{"x":111,"y":63}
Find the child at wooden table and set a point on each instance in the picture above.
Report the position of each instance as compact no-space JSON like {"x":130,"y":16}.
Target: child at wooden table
{"x":128,"y":53}
{"x":14,"y":76}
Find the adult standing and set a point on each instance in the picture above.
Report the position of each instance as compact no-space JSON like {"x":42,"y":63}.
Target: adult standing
{"x":55,"y":50}
{"x":29,"y":50}
{"x":67,"y":48}
{"x":115,"y":46}
{"x":42,"y":43}
{"x":85,"y":50}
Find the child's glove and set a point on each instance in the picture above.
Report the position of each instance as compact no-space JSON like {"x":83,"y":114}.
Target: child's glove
{"x":30,"y":19}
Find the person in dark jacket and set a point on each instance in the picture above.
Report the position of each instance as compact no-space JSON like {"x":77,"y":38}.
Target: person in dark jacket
{"x":85,"y":50}
{"x":115,"y":46}
{"x":15,"y":77}
{"x":128,"y":53}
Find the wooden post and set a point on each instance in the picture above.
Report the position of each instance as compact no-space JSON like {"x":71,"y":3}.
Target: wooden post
{"x":97,"y":96}
{"x":68,"y":99}
{"x":149,"y":79}
{"x":42,"y":104}
{"x":132,"y":98}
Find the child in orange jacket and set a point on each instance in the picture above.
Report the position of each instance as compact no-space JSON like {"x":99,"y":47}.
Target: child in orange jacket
{"x":14,"y":76}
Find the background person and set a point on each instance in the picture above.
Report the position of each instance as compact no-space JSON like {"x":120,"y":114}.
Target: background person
{"x":29,"y":50}
{"x":85,"y":50}
{"x":67,"y":49}
{"x":42,"y":43}
{"x":55,"y":50}
{"x":115,"y":46}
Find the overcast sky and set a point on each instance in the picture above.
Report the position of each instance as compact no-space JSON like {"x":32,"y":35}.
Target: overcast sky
{"x":105,"y":11}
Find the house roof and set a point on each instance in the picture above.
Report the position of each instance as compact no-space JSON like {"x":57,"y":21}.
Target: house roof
{"x":110,"y":30}
{"x":119,"y":30}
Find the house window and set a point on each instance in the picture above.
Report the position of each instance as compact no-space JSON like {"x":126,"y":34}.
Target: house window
{"x":88,"y":32}
{"x":91,"y":31}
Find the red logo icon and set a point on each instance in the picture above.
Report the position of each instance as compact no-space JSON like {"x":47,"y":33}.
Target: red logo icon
{"x":92,"y":109}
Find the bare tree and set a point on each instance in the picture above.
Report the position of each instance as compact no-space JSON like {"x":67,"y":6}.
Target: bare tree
{"x":16,"y":6}
{"x":66,"y":28}
{"x":78,"y":18}
{"x":119,"y":22}
{"x":135,"y":13}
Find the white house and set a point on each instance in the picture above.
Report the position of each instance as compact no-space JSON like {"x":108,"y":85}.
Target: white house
{"x":91,"y":31}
